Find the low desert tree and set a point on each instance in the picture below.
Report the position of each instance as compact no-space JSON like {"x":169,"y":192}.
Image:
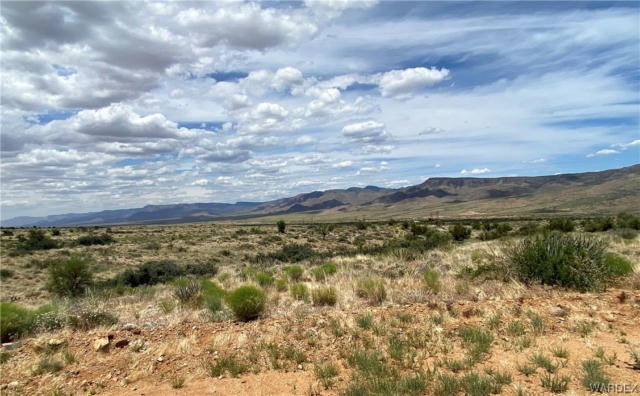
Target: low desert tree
{"x":281,"y":226}
{"x":69,"y":276}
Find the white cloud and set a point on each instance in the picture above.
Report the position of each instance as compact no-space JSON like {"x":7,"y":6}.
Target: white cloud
{"x":603,"y":152}
{"x":475,"y":171}
{"x":366,"y":132}
{"x":402,"y":83}
{"x":200,"y":182}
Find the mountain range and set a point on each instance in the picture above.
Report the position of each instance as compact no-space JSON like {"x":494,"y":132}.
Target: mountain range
{"x":579,"y":194}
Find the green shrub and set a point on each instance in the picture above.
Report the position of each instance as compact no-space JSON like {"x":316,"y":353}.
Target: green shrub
{"x":6,"y":273}
{"x":299,"y":291}
{"x":291,"y":253}
{"x":561,"y":224}
{"x":36,"y":240}
{"x":324,"y":296}
{"x":208,"y":268}
{"x":16,"y":321}
{"x":598,"y":224}
{"x":188,"y":291}
{"x":372,"y":289}
{"x":69,"y":276}
{"x":529,"y":228}
{"x":264,"y":279}
{"x":459,"y":232}
{"x":493,"y":231}
{"x":629,"y":221}
{"x":94,"y":239}
{"x":150,"y":273}
{"x":294,"y":272}
{"x":55,"y":232}
{"x":627,"y":233}
{"x":618,"y":266}
{"x":88,"y":319}
{"x":281,"y":285}
{"x":561,"y":259}
{"x":431,"y":281}
{"x":326,"y":269}
{"x":281,"y":226}
{"x":247,"y":302}
{"x":593,"y":375}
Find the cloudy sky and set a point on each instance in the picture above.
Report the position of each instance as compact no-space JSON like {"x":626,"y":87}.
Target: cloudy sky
{"x":111,"y":105}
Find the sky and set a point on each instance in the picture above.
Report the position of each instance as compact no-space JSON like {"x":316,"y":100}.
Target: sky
{"x":109,"y":105}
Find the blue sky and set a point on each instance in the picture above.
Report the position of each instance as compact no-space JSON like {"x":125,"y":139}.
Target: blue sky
{"x":124,"y":104}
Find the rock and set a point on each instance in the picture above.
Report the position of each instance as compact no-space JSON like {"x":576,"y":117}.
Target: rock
{"x":160,"y":358}
{"x":54,"y":342}
{"x":13,"y":384}
{"x":299,"y":367}
{"x":558,"y":311}
{"x":101,"y":344}
{"x":121,"y":343}
{"x":10,"y":346}
{"x":609,"y":317}
{"x":129,"y":326}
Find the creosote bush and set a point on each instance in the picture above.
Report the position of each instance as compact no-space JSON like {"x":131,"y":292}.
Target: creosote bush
{"x":69,"y":276}
{"x":247,"y":302}
{"x":563,"y":259}
{"x":281,"y":226}
{"x":95,"y":239}
{"x":294,"y":272}
{"x":459,"y":232}
{"x":561,"y":224}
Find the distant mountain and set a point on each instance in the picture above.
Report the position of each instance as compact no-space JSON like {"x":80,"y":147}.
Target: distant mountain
{"x":149,"y":214}
{"x":605,"y":192}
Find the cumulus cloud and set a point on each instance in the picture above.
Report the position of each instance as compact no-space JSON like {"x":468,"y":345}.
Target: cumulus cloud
{"x":475,"y":171}
{"x":403,"y":83}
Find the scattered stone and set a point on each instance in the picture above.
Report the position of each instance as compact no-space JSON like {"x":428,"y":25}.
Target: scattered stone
{"x":609,"y":317}
{"x":13,"y":384}
{"x":10,"y":346}
{"x":129,"y":326}
{"x":101,"y":344}
{"x":160,"y":358}
{"x":121,"y":343}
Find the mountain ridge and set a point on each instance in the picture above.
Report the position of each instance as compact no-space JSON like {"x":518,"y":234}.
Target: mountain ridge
{"x":570,"y":193}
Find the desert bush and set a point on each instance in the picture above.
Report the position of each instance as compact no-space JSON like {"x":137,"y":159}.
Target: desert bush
{"x":372,"y":289}
{"x":324,"y":296}
{"x":617,"y":265}
{"x":593,"y":376}
{"x":7,"y":233}
{"x":459,"y":232}
{"x":561,"y":259}
{"x":6,"y":273}
{"x":627,"y":233}
{"x":299,"y":291}
{"x":321,"y":272}
{"x":213,"y":295}
{"x":291,"y":253}
{"x":324,"y":229}
{"x":281,"y":284}
{"x":528,"y":228}
{"x":208,"y":268}
{"x":431,"y":281}
{"x":89,"y":319}
{"x":294,"y":272}
{"x":94,"y":239}
{"x":69,"y":276}
{"x":150,"y":273}
{"x":16,"y":321}
{"x":264,"y":279}
{"x":55,"y":232}
{"x":187,"y":291}
{"x":281,"y":226}
{"x":36,"y":240}
{"x":598,"y":224}
{"x":493,"y":231}
{"x":247,"y":302}
{"x":361,"y":225}
{"x":626,"y":220}
{"x":561,"y":224}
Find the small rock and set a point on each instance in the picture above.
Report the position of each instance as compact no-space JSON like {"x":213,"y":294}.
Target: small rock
{"x":10,"y":346}
{"x":101,"y":344}
{"x":121,"y":343}
{"x":13,"y":384}
{"x":160,"y":358}
{"x":129,"y":326}
{"x":299,"y":367}
{"x":54,"y":342}
{"x":609,"y":317}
